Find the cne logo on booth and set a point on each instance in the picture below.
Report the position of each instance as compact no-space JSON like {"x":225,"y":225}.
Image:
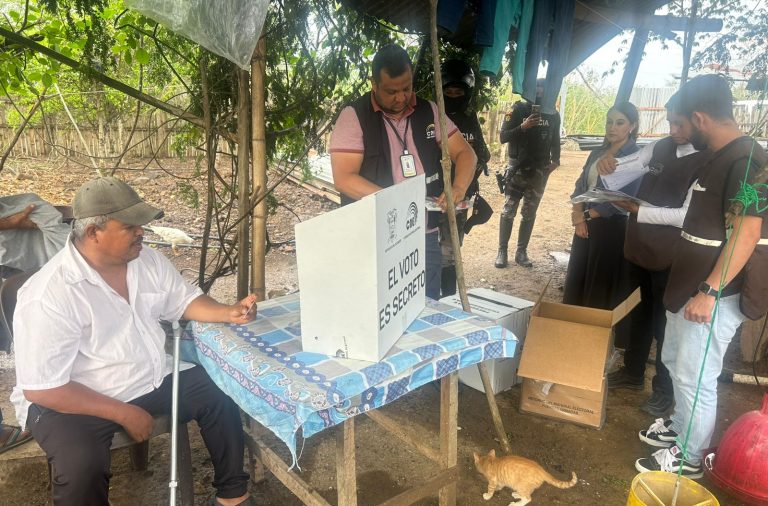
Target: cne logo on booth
{"x":413,"y":215}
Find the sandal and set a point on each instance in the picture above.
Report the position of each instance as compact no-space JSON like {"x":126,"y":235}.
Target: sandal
{"x":11,"y":437}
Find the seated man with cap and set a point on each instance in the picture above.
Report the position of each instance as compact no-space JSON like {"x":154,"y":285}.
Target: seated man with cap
{"x":90,"y":354}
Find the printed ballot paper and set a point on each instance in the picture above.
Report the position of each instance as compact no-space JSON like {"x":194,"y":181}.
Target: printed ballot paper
{"x":361,"y":273}
{"x":601,"y":196}
{"x":628,"y":169}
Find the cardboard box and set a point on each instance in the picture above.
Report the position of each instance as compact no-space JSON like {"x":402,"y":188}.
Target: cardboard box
{"x":361,"y":273}
{"x":567,"y":346}
{"x":577,"y":405}
{"x":507,"y":311}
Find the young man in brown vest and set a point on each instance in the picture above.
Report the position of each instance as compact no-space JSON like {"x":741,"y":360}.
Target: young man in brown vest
{"x":704,"y":296}
{"x":672,"y":166}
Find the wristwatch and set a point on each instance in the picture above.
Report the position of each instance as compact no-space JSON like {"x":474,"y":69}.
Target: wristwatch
{"x":706,"y":289}
{"x":587,"y":216}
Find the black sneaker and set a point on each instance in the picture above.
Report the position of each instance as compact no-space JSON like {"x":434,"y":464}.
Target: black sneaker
{"x":659,"y":434}
{"x":658,"y":404}
{"x":669,"y":460}
{"x":622,"y":379}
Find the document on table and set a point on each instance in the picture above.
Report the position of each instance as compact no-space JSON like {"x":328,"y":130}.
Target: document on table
{"x":602,"y":195}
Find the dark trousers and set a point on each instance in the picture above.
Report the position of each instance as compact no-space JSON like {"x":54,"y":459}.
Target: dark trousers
{"x":648,"y":321}
{"x":77,"y":446}
{"x":433,"y":265}
{"x":595,"y":277}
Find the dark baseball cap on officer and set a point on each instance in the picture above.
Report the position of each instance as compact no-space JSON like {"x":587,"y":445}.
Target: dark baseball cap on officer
{"x":110,"y":197}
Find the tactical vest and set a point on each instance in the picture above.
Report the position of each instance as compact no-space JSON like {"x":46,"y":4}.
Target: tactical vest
{"x":533,"y":150}
{"x":704,"y":235}
{"x":469,"y":128}
{"x":377,"y":163}
{"x":665,"y":185}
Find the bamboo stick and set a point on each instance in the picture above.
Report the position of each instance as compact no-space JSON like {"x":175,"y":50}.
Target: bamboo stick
{"x":450,"y":209}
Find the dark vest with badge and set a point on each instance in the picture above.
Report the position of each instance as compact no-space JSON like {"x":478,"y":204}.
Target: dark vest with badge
{"x":377,"y":163}
{"x":704,"y":235}
{"x":532,"y":150}
{"x":665,"y":185}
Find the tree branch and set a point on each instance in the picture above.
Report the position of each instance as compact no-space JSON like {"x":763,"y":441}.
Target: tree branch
{"x":108,"y":81}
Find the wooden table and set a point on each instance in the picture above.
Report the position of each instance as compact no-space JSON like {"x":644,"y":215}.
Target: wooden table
{"x":283,"y":389}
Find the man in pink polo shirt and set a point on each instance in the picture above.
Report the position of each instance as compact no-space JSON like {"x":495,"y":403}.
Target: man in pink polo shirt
{"x":389,"y":135}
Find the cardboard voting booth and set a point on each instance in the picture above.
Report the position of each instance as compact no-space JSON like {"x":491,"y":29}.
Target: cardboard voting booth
{"x":563,"y":362}
{"x":361,"y":273}
{"x":507,"y":311}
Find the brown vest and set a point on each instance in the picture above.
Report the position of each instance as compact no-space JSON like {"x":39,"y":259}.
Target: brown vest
{"x":693,"y":262}
{"x":665,"y":185}
{"x":754,"y":288}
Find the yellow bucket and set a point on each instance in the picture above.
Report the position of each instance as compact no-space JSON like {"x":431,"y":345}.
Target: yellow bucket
{"x":655,"y":488}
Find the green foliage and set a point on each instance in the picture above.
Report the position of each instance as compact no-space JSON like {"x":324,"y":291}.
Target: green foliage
{"x":586,"y":108}
{"x":187,"y":135}
{"x":318,"y":58}
{"x":741,"y":44}
{"x":84,"y":22}
{"x":188,"y":194}
{"x":272,"y":204}
{"x":485,"y":92}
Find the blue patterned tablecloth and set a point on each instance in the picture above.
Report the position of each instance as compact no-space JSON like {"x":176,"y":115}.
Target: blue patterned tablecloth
{"x":263,"y":368}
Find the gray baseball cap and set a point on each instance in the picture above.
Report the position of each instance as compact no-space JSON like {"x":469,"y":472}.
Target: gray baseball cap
{"x":113,"y":198}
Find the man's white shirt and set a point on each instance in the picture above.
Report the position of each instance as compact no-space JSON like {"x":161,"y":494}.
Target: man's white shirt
{"x":69,"y":325}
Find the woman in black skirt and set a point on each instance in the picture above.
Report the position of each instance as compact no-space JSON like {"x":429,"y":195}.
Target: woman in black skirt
{"x":597,"y":253}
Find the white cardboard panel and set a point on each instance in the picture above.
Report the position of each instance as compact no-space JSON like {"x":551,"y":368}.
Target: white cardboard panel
{"x":507,"y":311}
{"x":361,"y":273}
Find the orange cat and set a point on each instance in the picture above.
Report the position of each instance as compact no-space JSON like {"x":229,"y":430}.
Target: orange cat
{"x":523,"y":476}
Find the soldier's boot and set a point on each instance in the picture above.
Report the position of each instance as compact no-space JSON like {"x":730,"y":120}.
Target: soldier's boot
{"x":523,"y":237}
{"x":505,"y":230}
{"x":448,"y":281}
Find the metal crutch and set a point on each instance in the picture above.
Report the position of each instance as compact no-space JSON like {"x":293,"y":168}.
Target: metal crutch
{"x":173,"y":484}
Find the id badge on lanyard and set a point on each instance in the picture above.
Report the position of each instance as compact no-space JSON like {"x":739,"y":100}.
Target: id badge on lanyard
{"x":407,"y":164}
{"x":407,"y":161}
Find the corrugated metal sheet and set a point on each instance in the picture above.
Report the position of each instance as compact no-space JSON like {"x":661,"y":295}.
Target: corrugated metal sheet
{"x":650,"y":104}
{"x":750,"y":114}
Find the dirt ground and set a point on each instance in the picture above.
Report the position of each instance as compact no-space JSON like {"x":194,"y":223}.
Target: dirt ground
{"x":603,"y":459}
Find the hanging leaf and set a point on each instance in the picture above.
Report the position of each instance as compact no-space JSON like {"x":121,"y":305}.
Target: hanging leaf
{"x":142,"y":56}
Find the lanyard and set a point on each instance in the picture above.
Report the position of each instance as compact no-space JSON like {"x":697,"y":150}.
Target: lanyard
{"x":405,"y":134}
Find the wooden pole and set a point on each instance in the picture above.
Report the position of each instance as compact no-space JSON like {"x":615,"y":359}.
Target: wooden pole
{"x":20,"y":130}
{"x":634,"y":58}
{"x":346,"y":469}
{"x":446,"y":163}
{"x":690,"y":36}
{"x":243,"y":181}
{"x":259,"y":156}
{"x":446,"y":160}
{"x":449,"y":449}
{"x":79,"y":134}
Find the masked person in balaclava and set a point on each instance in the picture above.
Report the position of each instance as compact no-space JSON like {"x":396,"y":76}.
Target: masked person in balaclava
{"x":458,"y":85}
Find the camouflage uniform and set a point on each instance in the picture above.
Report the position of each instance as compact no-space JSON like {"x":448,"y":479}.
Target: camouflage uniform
{"x":531,"y":153}
{"x":527,"y":185}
